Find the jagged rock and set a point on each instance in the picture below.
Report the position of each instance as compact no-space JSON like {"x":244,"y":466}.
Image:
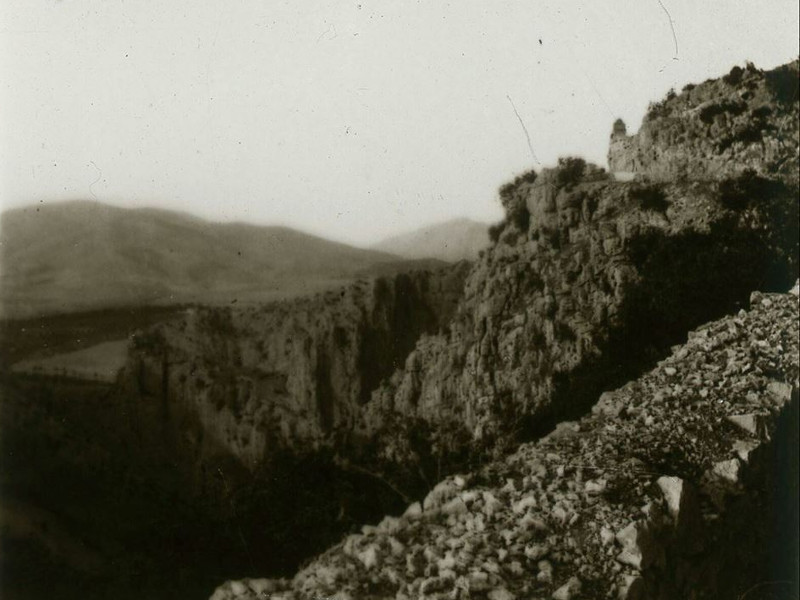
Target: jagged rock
{"x":667,"y":534}
{"x":629,"y":539}
{"x":569,"y":590}
{"x":743,"y":449}
{"x":751,"y":423}
{"x":440,"y":494}
{"x":501,"y":594}
{"x":727,"y":470}
{"x":249,"y":589}
{"x":780,"y":391}
{"x":369,"y":557}
{"x":673,"y":490}
{"x":545,"y":574}
{"x":673,"y":141}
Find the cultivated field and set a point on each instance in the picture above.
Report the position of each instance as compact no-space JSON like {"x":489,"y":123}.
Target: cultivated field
{"x":100,"y":362}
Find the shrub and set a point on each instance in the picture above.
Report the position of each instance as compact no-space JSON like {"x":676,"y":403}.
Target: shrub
{"x":650,"y":197}
{"x":737,"y":193}
{"x":734,"y":77}
{"x":507,"y":190}
{"x":708,"y":113}
{"x":782,"y":83}
{"x":749,"y":133}
{"x":506,"y":194}
{"x":510,"y":237}
{"x":570,"y":171}
{"x":551,"y":236}
{"x":751,"y":68}
{"x":761,"y":113}
{"x":520,"y":217}
{"x":495,"y":231}
{"x":689,"y":87}
{"x":527,"y":177}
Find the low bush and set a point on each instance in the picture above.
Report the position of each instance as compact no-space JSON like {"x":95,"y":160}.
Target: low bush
{"x":507,"y":191}
{"x":495,"y":231}
{"x":708,"y":113}
{"x":734,"y":77}
{"x":737,"y":193}
{"x":749,"y":133}
{"x":761,"y":113}
{"x":570,"y":171}
{"x":782,"y":83}
{"x":650,"y":197}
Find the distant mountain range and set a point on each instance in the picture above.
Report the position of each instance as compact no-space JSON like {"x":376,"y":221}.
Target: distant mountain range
{"x":84,"y":255}
{"x":451,"y":241}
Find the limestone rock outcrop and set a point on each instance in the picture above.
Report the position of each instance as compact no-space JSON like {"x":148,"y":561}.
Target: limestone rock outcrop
{"x":745,"y":120}
{"x":591,"y":277}
{"x":287,"y":375}
{"x":637,"y":500}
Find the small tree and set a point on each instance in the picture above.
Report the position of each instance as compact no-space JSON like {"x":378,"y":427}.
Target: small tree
{"x":570,"y":171}
{"x":734,"y":77}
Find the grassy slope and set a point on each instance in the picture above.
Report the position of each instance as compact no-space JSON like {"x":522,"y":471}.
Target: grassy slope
{"x":85,"y":255}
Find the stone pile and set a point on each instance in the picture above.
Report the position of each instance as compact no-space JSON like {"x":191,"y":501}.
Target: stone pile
{"x":635,"y":500}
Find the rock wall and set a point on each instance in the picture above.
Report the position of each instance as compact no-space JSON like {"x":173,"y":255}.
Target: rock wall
{"x":248,"y":383}
{"x":679,"y":484}
{"x":604,"y":279}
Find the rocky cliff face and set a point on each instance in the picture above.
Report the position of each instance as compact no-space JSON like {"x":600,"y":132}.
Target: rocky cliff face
{"x":288,"y":376}
{"x":680,"y":484}
{"x":591,"y":279}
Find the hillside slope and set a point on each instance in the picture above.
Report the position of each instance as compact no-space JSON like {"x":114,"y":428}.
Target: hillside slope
{"x":85,"y":255}
{"x":459,"y":239}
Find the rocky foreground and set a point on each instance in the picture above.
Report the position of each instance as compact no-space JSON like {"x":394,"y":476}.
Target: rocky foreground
{"x":670,"y":488}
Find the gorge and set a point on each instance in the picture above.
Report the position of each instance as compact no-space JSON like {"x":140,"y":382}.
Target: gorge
{"x":540,"y":385}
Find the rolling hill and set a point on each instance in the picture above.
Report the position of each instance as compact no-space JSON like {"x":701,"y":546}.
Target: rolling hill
{"x":451,"y":241}
{"x":84,"y":255}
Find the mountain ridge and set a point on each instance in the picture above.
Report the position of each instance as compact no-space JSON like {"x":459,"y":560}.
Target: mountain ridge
{"x":452,"y":240}
{"x":82,"y":255}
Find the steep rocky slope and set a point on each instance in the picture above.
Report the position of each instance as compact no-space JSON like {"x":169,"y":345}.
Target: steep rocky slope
{"x":680,"y":484}
{"x":591,"y":279}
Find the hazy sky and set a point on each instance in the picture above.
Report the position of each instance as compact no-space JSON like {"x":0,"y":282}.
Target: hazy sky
{"x":351,"y":119}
